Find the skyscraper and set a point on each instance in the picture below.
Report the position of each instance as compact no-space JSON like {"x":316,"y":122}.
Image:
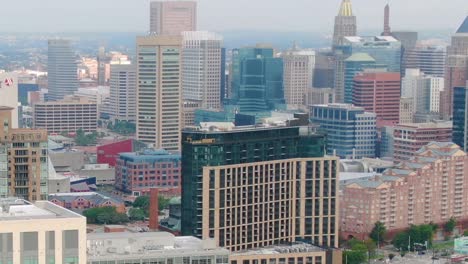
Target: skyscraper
{"x":387,"y":30}
{"x":201,"y":68}
{"x":460,"y":116}
{"x":355,"y":64}
{"x":102,"y":61}
{"x":173,"y":17}
{"x":257,"y":79}
{"x":123,"y":91}
{"x":429,"y":59}
{"x":456,"y":73}
{"x":159,"y":91}
{"x":298,"y":74}
{"x":351,"y":132}
{"x":61,"y":70}
{"x":345,"y":23}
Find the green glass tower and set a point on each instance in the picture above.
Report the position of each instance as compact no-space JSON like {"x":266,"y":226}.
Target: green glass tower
{"x":257,"y":80}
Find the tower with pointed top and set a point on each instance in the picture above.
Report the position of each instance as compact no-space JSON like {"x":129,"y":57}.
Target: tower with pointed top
{"x":345,"y":23}
{"x":387,"y":30}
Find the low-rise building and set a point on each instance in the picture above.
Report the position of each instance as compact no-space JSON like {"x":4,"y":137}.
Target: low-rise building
{"x":81,"y":201}
{"x":40,"y":232}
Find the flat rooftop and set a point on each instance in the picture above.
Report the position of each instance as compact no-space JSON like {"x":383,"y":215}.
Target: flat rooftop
{"x":281,"y":249}
{"x":12,"y":209}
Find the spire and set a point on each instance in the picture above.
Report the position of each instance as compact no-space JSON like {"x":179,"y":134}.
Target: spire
{"x":387,"y":30}
{"x":464,"y":26}
{"x":346,"y":8}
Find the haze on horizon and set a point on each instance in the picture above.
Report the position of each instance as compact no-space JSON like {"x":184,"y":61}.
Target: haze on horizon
{"x":227,"y":15}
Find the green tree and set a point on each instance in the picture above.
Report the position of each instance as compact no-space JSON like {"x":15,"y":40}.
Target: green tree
{"x":143,"y":202}
{"x":136,"y":214}
{"x":357,"y":253}
{"x":450,"y":225}
{"x":378,"y":232}
{"x":105,"y":215}
{"x":415,"y":234}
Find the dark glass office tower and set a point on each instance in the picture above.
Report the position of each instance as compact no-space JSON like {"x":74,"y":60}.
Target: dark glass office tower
{"x":460,"y":117}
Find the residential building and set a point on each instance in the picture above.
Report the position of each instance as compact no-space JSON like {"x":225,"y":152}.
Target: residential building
{"x":138,"y":172}
{"x":456,"y":71}
{"x":40,"y":232}
{"x":159,"y":93}
{"x":351,"y":131}
{"x":9,"y":95}
{"x":201,"y":68}
{"x":61,"y":70}
{"x":109,"y":153}
{"x":257,"y":79}
{"x":24,"y":163}
{"x":460,"y":117}
{"x":378,"y":92}
{"x":298,"y":75}
{"x":429,"y":59}
{"x":345,"y":23}
{"x":123,"y":91}
{"x":125,"y":247}
{"x":242,"y":176}
{"x":67,"y":115}
{"x":409,"y":138}
{"x":429,"y":187}
{"x":173,"y":17}
{"x":80,"y":201}
{"x":407,"y":110}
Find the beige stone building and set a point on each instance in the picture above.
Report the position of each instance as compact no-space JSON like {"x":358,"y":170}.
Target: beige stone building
{"x":173,"y":17}
{"x":40,"y":233}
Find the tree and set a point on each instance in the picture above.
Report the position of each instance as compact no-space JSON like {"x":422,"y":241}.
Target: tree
{"x":82,"y":139}
{"x":143,"y":202}
{"x":105,"y":215}
{"x":450,"y":225}
{"x":136,"y":214}
{"x":415,"y":234}
{"x":357,"y":253}
{"x":370,"y":245}
{"x":378,"y":232}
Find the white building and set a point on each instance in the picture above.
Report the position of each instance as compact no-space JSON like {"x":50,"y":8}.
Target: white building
{"x":201,"y":70}
{"x":94,"y":94}
{"x":298,"y":74}
{"x":40,"y":233}
{"x":9,"y":94}
{"x":123,"y":91}
{"x":159,"y":93}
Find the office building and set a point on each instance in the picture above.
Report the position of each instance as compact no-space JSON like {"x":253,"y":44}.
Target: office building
{"x":24,"y":164}
{"x":429,"y":59}
{"x":109,"y":153}
{"x":406,"y":110}
{"x":353,"y":65}
{"x":125,"y":247}
{"x":429,"y":187}
{"x":61,"y":70}
{"x":40,"y":232}
{"x":409,"y":138}
{"x":188,"y":112}
{"x":378,"y":92}
{"x":423,"y":89}
{"x":298,"y":75}
{"x":226,"y":171}
{"x":9,"y":95}
{"x":67,"y":115}
{"x":123,"y":92}
{"x":351,"y":131}
{"x":456,"y":74}
{"x":460,"y":117}
{"x":323,"y":70}
{"x":201,"y":68}
{"x":138,"y":172}
{"x":408,"y":39}
{"x":315,"y":96}
{"x":173,"y":17}
{"x":159,"y":91}
{"x":345,"y":23}
{"x":257,"y":79}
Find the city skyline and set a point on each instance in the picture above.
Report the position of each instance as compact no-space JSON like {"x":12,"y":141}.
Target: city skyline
{"x":220,"y":15}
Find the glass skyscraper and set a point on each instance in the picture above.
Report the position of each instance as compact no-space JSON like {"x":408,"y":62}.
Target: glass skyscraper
{"x":61,"y":70}
{"x":460,"y":117}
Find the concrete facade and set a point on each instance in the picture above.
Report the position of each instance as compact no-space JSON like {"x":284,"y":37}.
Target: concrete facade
{"x":173,"y":17}
{"x":298,"y":75}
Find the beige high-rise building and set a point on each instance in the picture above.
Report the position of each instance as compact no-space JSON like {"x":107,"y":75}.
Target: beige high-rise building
{"x":298,"y":75}
{"x":173,"y":17}
{"x":159,"y":91}
{"x":123,"y":91}
{"x":40,"y":233}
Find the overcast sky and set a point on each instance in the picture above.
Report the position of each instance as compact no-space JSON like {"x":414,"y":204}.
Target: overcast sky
{"x":223,"y":15}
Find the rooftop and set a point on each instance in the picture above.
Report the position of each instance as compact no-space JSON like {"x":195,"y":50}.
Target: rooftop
{"x":280,"y":249}
{"x":372,"y":39}
{"x":346,"y":8}
{"x":13,"y":209}
{"x":463,"y":27}
{"x":445,"y":124}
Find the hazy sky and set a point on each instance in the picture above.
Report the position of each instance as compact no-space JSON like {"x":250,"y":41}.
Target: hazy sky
{"x":221,"y":15}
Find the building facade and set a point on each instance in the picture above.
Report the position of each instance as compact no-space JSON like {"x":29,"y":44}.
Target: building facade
{"x":81,"y":201}
{"x":159,"y":91}
{"x":409,"y":138}
{"x":138,"y":172}
{"x":429,"y":187}
{"x":460,"y":117}
{"x":61,"y":70}
{"x":123,"y":92}
{"x":298,"y":75}
{"x":201,"y":68}
{"x":351,"y":132}
{"x":353,"y":65}
{"x":378,"y":93}
{"x":429,"y":59}
{"x":41,"y":232}
{"x":345,"y":23}
{"x":9,"y":95}
{"x":109,"y":153}
{"x":68,"y":115}
{"x":173,"y":17}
